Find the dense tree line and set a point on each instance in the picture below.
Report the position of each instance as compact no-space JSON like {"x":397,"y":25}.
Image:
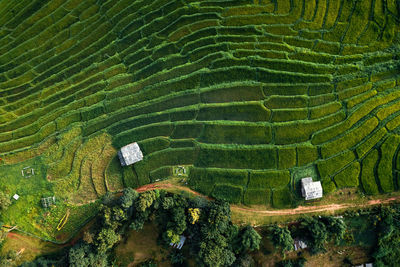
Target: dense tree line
{"x":315,"y":231}
{"x":387,"y":251}
{"x":212,"y":239}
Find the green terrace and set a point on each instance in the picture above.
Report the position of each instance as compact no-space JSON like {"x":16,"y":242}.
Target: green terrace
{"x":244,"y":94}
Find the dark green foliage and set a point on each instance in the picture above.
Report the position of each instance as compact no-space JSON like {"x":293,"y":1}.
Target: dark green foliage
{"x":281,"y":237}
{"x":318,"y":231}
{"x":292,"y":263}
{"x":249,"y":239}
{"x":85,"y":255}
{"x":387,"y":252}
{"x":128,"y":197}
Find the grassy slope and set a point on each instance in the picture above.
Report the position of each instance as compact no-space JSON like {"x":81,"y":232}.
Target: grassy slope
{"x":249,"y":93}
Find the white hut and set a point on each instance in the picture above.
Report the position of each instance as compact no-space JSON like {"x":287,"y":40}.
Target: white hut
{"x":130,"y":154}
{"x":310,"y":189}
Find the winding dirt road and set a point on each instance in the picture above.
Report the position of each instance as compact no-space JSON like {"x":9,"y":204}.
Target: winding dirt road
{"x":280,"y":212}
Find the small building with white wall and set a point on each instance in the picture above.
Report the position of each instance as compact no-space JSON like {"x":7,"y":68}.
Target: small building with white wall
{"x":130,"y":154}
{"x":310,"y":189}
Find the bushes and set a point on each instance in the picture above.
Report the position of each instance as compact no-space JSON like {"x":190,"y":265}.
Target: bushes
{"x":368,"y":181}
{"x":236,"y":157}
{"x":219,"y":133}
{"x":230,"y":193}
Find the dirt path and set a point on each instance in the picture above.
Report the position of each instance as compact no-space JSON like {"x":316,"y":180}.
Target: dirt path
{"x":281,"y":212}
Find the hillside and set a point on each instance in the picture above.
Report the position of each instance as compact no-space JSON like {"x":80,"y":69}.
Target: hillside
{"x":249,"y":95}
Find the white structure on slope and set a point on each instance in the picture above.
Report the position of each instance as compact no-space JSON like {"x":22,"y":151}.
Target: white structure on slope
{"x":130,"y":154}
{"x":310,"y":189}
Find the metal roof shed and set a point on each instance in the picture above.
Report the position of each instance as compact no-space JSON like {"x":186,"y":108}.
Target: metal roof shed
{"x":130,"y":154}
{"x":310,"y":189}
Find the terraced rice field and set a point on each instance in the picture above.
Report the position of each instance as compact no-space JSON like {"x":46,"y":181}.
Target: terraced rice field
{"x":245,"y":92}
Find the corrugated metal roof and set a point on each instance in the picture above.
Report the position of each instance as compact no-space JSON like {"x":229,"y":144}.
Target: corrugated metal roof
{"x":130,"y":154}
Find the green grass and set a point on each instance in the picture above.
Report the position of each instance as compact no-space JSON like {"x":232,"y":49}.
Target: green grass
{"x":246,"y":92}
{"x":230,"y":193}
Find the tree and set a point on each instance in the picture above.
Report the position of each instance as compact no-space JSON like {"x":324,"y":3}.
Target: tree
{"x":88,"y":237}
{"x":315,"y":232}
{"x":5,"y":201}
{"x":128,"y":198}
{"x":250,"y":239}
{"x":176,"y":257}
{"x":84,"y":255}
{"x":336,"y":227}
{"x":215,"y":253}
{"x":106,"y":239}
{"x":194,"y":215}
{"x":146,"y":199}
{"x":282,"y":238}
{"x":387,"y":252}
